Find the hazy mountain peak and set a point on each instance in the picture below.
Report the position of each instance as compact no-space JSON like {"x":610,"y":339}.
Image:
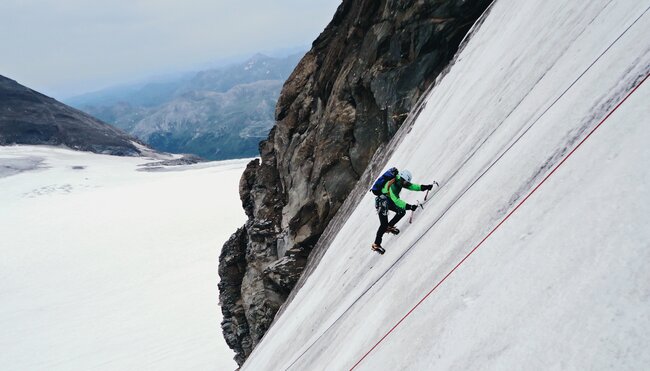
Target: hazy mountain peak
{"x":218,"y":113}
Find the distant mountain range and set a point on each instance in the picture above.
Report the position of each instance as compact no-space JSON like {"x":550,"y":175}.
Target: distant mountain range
{"x":29,"y":117}
{"x":216,"y":114}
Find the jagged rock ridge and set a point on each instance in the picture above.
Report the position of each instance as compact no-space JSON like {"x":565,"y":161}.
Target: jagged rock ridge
{"x":346,"y":97}
{"x":29,"y":117}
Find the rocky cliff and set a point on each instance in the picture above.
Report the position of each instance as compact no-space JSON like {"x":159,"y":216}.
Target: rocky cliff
{"x":29,"y":117}
{"x":346,"y":97}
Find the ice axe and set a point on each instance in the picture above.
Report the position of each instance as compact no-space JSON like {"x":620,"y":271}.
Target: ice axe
{"x":426,"y":195}
{"x":419,"y":204}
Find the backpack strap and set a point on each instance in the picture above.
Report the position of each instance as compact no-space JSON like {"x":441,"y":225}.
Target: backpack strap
{"x":388,"y":185}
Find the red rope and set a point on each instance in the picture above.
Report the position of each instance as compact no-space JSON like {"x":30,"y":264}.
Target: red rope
{"x":498,"y":225}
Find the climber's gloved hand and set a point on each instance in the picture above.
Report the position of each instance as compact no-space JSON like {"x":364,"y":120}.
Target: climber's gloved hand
{"x":426,"y":187}
{"x":411,"y":207}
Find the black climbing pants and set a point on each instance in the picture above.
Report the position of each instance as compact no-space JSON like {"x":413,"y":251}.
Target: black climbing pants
{"x":383,"y":204}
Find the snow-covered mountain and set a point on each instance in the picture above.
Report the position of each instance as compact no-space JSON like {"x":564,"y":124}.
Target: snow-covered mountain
{"x":106,"y":267}
{"x":532,"y":253}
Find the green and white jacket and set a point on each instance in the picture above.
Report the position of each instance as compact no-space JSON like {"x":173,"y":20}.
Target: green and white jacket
{"x":393,"y":187}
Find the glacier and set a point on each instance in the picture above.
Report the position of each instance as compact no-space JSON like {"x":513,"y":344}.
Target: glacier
{"x":482,"y":279}
{"x":105,"y":267}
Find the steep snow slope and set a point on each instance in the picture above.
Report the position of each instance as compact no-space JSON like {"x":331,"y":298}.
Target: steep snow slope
{"x":562,"y":283}
{"x":108,"y":268}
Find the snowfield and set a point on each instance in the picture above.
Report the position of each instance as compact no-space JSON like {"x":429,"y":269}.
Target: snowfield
{"x":563,"y":282}
{"x":105,"y":267}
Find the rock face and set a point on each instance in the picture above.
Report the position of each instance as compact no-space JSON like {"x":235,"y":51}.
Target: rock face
{"x":346,"y":97}
{"x":29,"y":117}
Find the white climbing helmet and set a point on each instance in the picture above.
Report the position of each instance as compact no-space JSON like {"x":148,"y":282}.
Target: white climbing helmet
{"x":406,"y":175}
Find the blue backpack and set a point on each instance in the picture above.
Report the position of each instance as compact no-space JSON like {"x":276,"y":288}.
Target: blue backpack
{"x":381,"y":181}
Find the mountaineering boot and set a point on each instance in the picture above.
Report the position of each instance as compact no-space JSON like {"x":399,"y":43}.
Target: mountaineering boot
{"x":392,"y":230}
{"x":378,"y":248}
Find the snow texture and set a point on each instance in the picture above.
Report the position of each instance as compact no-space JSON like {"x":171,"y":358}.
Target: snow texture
{"x":563,"y":283}
{"x":108,"y":268}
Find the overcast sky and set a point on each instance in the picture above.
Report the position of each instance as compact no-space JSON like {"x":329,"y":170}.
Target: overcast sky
{"x":68,"y":47}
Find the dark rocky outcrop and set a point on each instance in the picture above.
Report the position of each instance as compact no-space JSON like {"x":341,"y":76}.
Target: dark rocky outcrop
{"x":29,"y":117}
{"x":232,"y":266}
{"x":347,"y":97}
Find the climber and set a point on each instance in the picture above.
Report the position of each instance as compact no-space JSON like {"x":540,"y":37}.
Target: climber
{"x":387,"y":189}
